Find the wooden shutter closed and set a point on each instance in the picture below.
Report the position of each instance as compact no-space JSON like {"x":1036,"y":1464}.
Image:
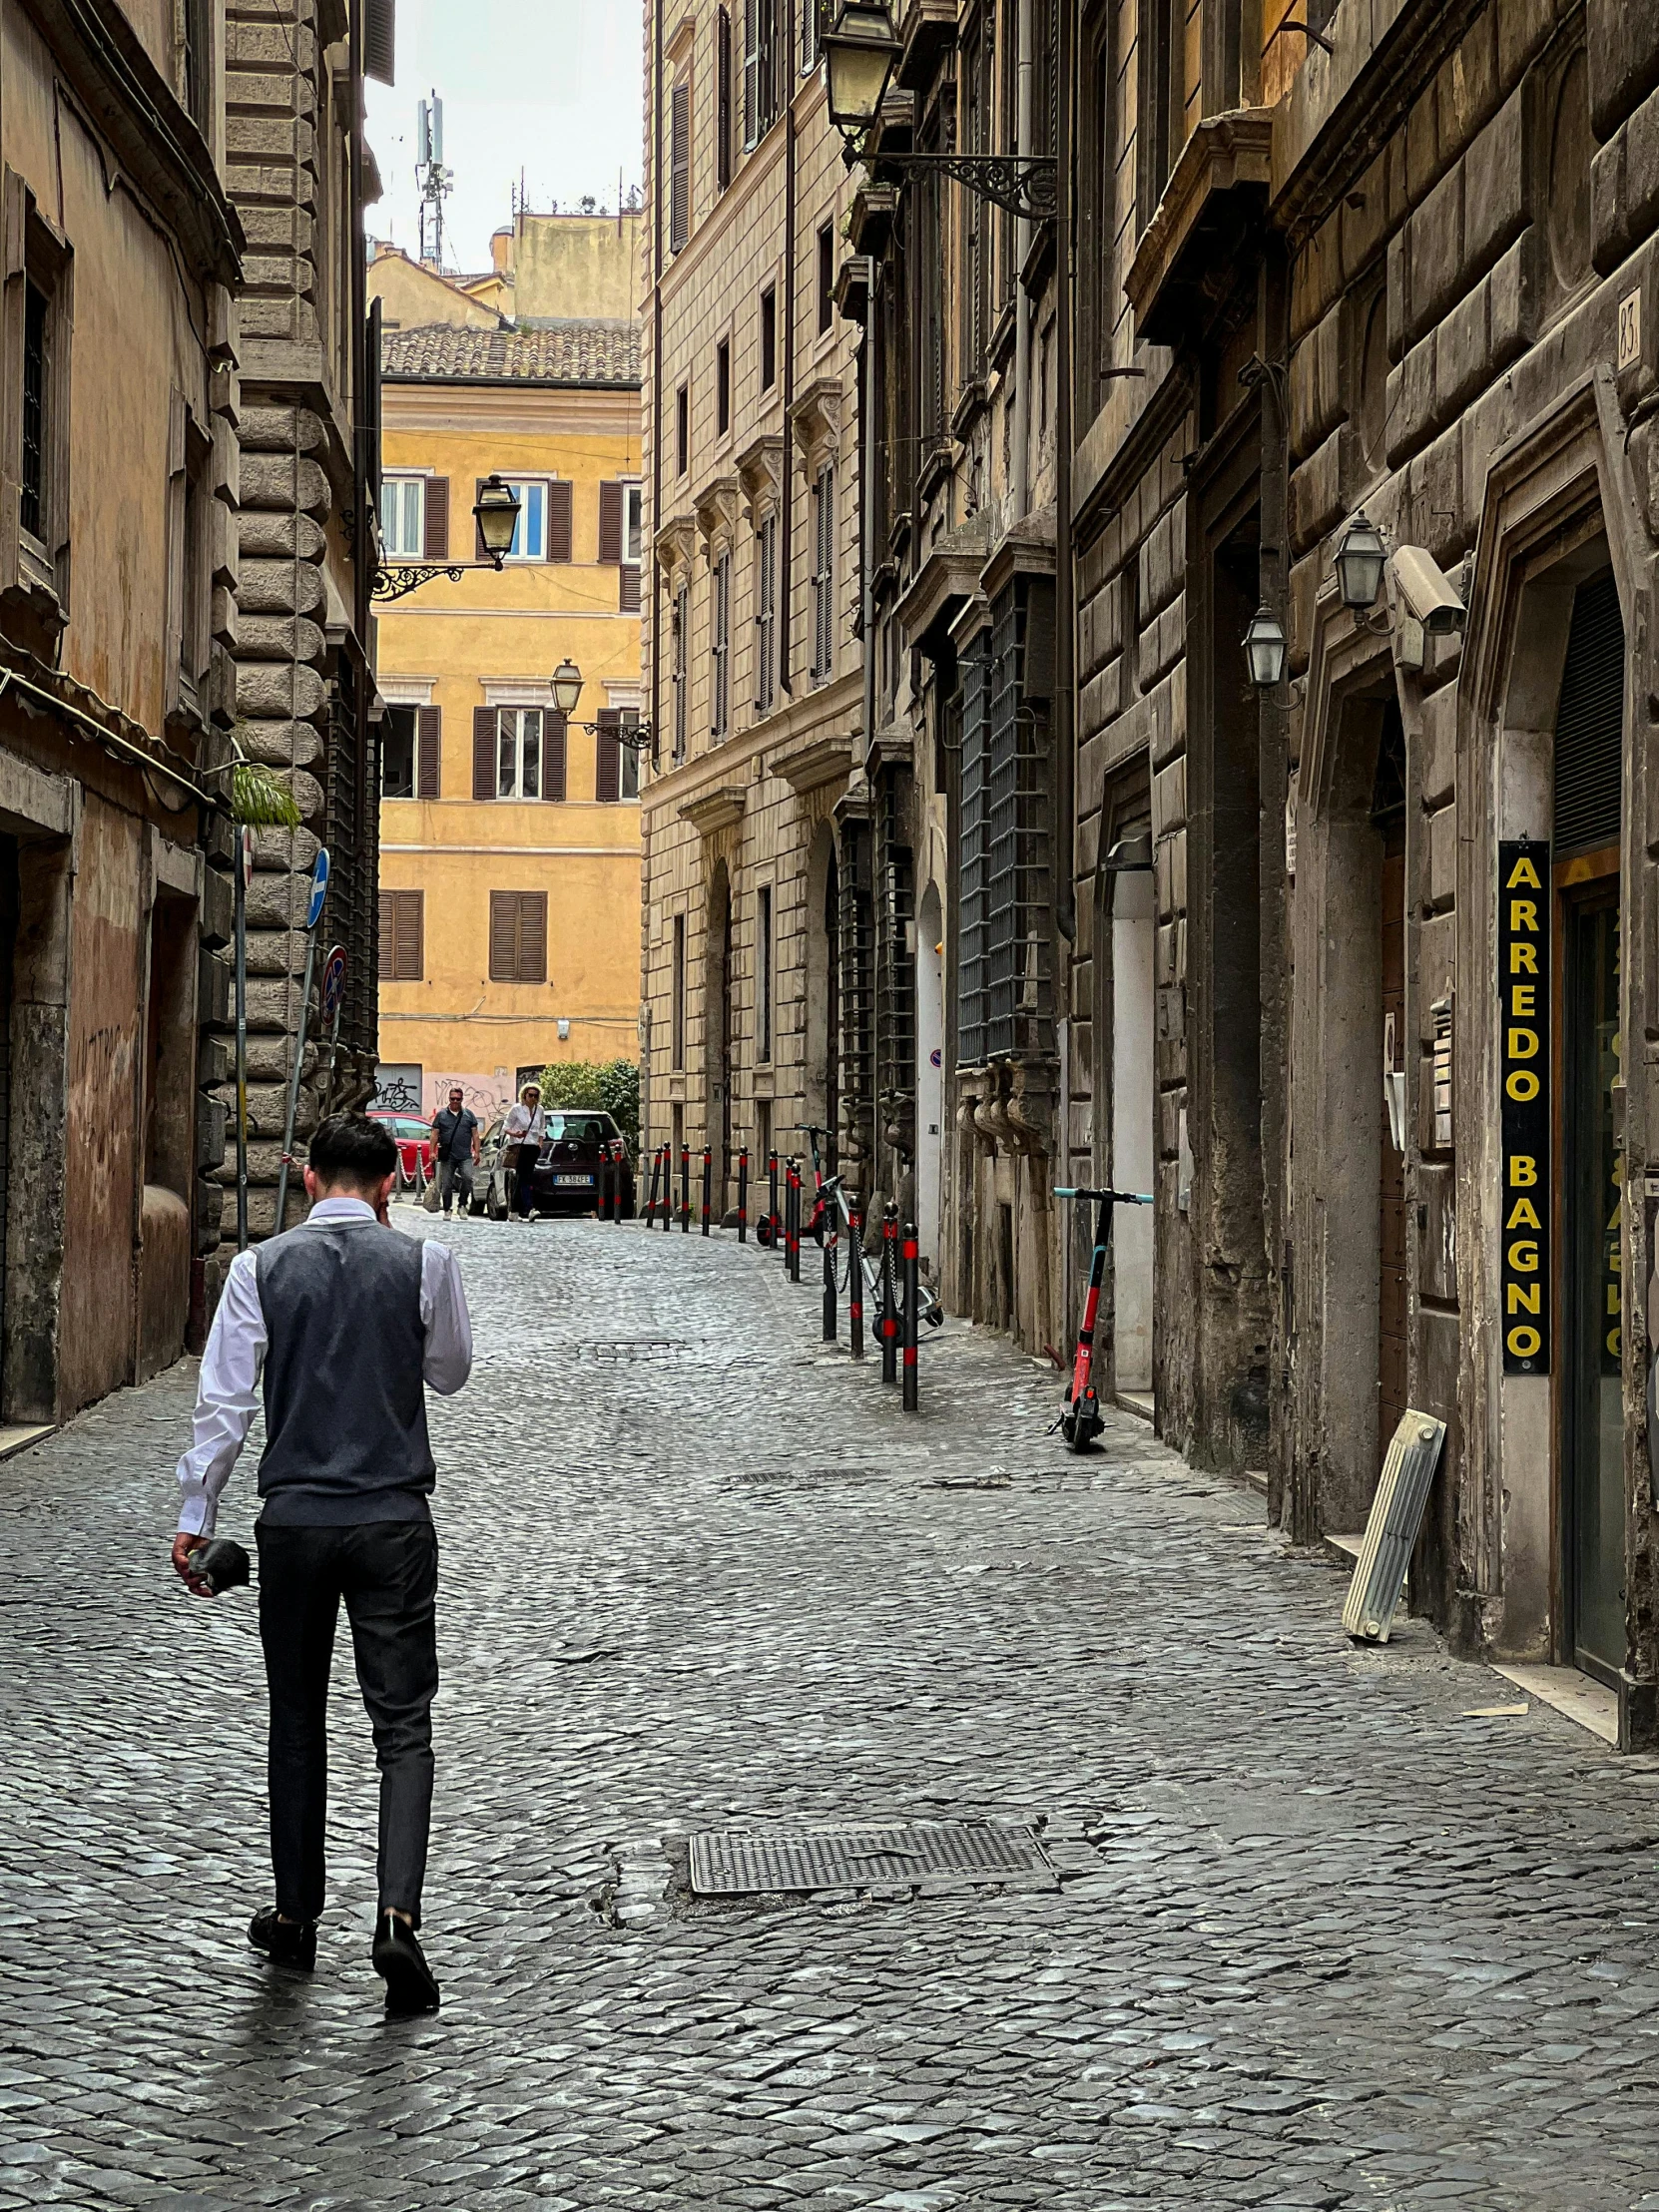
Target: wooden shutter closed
{"x":437,"y":518}
{"x":483,"y":751}
{"x":610,"y":523}
{"x":607,"y":778}
{"x":628,"y":597}
{"x":558,"y":521}
{"x":429,"y":752}
{"x":751,"y":71}
{"x":503,"y":936}
{"x":723,"y":98}
{"x":480,"y":552}
{"x":552,"y":755}
{"x":532,"y":936}
{"x":679,"y":205}
{"x":402,"y":936}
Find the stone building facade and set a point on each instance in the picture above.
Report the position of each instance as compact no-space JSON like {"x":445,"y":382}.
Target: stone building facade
{"x":754,"y":681}
{"x":299,"y":175}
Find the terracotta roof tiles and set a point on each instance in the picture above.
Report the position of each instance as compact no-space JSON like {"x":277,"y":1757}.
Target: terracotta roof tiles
{"x":589,"y":354}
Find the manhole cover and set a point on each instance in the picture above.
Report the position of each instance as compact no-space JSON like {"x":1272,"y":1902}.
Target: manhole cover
{"x":727,"y":1863}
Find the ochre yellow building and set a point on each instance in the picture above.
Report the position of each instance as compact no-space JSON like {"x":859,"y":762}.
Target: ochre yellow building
{"x":509,"y":840}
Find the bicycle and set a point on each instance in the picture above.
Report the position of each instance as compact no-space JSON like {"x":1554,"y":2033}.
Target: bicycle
{"x":1081,"y":1419}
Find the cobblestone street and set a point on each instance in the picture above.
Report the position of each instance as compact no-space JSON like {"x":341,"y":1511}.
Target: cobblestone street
{"x":1319,"y":1939}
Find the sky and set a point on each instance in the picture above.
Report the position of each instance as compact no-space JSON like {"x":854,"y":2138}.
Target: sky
{"x":549,"y":91}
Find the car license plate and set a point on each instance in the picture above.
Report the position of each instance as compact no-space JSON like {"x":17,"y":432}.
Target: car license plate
{"x":582,"y":1180}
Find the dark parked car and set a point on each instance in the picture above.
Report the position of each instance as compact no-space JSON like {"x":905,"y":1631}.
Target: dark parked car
{"x":578,"y":1140}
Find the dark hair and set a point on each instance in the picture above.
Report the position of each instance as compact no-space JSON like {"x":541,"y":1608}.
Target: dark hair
{"x":349,"y":1148}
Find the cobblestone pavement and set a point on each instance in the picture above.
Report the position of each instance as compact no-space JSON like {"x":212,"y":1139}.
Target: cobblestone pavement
{"x":1320,"y":1937}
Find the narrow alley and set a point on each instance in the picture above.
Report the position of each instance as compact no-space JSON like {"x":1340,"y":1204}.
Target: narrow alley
{"x":1315,"y":1936}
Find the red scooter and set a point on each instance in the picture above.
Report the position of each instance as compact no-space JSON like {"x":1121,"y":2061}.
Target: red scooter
{"x":1081,"y":1420}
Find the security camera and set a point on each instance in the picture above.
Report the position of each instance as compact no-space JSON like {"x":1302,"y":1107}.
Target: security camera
{"x":1429,"y":591}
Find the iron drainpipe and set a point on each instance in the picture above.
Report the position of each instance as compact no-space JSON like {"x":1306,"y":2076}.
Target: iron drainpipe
{"x":1020,"y":483}
{"x":786,"y":489}
{"x":867,"y":540}
{"x":656,"y":524}
{"x":1065,"y":580}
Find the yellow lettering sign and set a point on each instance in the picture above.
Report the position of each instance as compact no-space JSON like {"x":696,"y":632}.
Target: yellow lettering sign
{"x":1524,"y":1217}
{"x":1523,"y":1086}
{"x":1523,"y":873}
{"x":1523,"y":913}
{"x":1523,"y":960}
{"x":1523,"y":1255}
{"x":1521,"y":997}
{"x":1524,"y":1298}
{"x":1524,"y":1172}
{"x":1523,"y":1044}
{"x":1523,"y":1343}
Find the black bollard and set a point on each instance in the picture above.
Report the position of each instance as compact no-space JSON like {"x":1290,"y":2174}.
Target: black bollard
{"x":743,"y":1195}
{"x":913,"y":1314}
{"x":650,"y":1197}
{"x":772,"y":1197}
{"x":831,"y":1244}
{"x":665,"y":1196}
{"x":792,"y":1224}
{"x":890,"y":1293}
{"x":708,"y":1183}
{"x":855,"y":1278}
{"x":685,"y":1190}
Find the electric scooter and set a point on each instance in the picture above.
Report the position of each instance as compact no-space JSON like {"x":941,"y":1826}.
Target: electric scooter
{"x":1081,"y":1419}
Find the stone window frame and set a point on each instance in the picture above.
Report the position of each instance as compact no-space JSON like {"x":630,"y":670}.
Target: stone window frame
{"x":38,"y":256}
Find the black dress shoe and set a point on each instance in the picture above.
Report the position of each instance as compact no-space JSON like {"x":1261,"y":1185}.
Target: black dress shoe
{"x":401,"y":1965}
{"x":290,"y":1944}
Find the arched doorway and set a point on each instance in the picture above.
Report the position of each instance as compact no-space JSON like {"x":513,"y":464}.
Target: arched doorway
{"x":929,"y":1075}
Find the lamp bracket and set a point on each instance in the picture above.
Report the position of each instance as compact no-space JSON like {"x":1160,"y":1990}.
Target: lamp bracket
{"x":399,"y":581}
{"x":1027,"y":185}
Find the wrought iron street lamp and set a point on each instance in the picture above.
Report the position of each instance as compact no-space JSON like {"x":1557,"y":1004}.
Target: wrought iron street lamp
{"x":1264,"y":644}
{"x":1359,"y":560}
{"x":495,"y":513}
{"x":566,"y":686}
{"x":859,"y":52}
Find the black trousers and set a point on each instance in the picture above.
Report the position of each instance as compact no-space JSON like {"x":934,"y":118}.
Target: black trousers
{"x":387,"y":1573}
{"x":524,"y":1177}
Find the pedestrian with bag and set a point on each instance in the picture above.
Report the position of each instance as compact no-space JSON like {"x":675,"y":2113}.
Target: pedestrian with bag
{"x":339,"y":1325}
{"x":526,"y":1125}
{"x":455,"y":1147}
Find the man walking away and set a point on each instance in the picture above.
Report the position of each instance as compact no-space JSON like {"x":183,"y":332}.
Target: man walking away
{"x":455,"y":1147}
{"x":522,"y":1136}
{"x":342,"y":1319}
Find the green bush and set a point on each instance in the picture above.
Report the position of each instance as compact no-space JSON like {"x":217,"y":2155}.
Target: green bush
{"x":612,"y":1085}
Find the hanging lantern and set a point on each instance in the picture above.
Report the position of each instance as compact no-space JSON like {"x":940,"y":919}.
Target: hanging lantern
{"x":1264,"y":644}
{"x":858,"y":55}
{"x":1359,"y":560}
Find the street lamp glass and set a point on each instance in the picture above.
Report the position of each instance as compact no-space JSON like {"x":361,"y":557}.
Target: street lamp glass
{"x":496,"y":514}
{"x":858,"y":54}
{"x":1264,"y":644}
{"x":1359,"y":560}
{"x":567,"y":688}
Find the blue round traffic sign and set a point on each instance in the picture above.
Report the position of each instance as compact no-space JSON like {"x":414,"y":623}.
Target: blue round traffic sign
{"x":320,"y":888}
{"x":333,"y":984}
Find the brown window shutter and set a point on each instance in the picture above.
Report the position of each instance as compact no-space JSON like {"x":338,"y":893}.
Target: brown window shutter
{"x":429,"y":752}
{"x":679,"y":205}
{"x":388,"y":931}
{"x":610,"y":524}
{"x":532,"y":936}
{"x":608,"y":766}
{"x":437,"y":518}
{"x":558,"y":521}
{"x":480,"y":551}
{"x":503,"y":936}
{"x":409,"y":952}
{"x":553,"y":748}
{"x":723,"y":98}
{"x":629,"y":596}
{"x":483,"y":751}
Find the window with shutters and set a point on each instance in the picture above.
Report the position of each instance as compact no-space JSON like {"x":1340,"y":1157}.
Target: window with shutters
{"x":723,"y":98}
{"x":765,"y":615}
{"x":812,"y":13}
{"x":723,"y":387}
{"x":720,"y":647}
{"x":679,"y":165}
{"x":825,"y":279}
{"x":518,"y":744}
{"x":620,"y":514}
{"x":617,"y":765}
{"x":680,"y":686}
{"x":403,"y":517}
{"x":543,"y":529}
{"x":759,"y":69}
{"x":429,"y":753}
{"x":518,"y":936}
{"x":763,"y":973}
{"x":682,"y":430}
{"x":40,"y":274}
{"x":677,"y":1015}
{"x":823,"y":575}
{"x":398,"y":734}
{"x":197,"y":59}
{"x":402,"y":936}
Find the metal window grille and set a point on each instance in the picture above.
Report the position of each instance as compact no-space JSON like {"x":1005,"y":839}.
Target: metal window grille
{"x":33,"y":490}
{"x":1589,"y":723}
{"x":765,"y":615}
{"x":897,"y":1027}
{"x":973,"y":951}
{"x":721,"y":647}
{"x":858,"y":981}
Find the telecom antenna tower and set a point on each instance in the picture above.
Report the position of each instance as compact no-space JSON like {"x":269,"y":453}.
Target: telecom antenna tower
{"x":433,"y":178}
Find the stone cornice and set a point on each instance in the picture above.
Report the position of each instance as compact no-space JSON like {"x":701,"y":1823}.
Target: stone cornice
{"x":761,"y":471}
{"x":712,"y":810}
{"x":816,"y":419}
{"x":1219,"y":184}
{"x":716,"y":509}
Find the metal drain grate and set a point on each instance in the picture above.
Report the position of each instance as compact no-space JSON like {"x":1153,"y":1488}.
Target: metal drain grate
{"x":725,"y":1863}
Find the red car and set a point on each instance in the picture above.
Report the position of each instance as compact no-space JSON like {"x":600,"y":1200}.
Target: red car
{"x":414,"y":1142}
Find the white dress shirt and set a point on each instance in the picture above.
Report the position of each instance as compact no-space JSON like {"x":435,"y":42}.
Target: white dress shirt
{"x":523,"y":1126}
{"x":227,"y":1394}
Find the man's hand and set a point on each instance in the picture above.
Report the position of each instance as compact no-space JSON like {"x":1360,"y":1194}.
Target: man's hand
{"x":184,"y":1548}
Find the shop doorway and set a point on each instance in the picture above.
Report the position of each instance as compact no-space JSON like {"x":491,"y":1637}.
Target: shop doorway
{"x":1388,"y":817}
